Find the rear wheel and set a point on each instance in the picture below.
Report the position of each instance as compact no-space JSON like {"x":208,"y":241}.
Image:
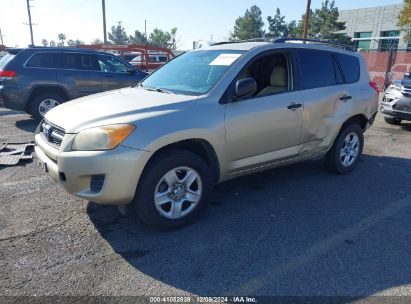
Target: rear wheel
{"x":392,"y":121}
{"x":174,"y":190}
{"x":347,"y":149}
{"x":43,"y":103}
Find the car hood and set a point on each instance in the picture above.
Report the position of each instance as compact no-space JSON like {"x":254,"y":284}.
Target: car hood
{"x":118,"y":106}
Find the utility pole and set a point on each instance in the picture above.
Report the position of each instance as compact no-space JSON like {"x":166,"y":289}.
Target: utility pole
{"x":307,"y":18}
{"x":30,"y":24}
{"x":1,"y":38}
{"x":145,"y":30}
{"x":103,"y":4}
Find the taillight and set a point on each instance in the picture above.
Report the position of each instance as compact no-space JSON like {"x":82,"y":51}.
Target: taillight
{"x":374,"y":85}
{"x":7,"y":74}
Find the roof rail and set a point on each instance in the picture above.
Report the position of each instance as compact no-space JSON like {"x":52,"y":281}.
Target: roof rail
{"x":316,"y":41}
{"x":242,"y":41}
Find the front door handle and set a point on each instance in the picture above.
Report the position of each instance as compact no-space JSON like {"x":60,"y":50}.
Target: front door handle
{"x":294,"y":106}
{"x":345,"y":97}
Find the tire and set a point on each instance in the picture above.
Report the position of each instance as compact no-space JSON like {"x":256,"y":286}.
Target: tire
{"x":346,"y":150}
{"x":43,"y":100}
{"x":155,"y":208}
{"x":392,"y":121}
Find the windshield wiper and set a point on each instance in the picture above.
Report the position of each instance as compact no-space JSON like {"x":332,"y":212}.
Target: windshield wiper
{"x":160,"y":90}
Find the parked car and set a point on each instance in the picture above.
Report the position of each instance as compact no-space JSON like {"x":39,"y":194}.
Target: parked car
{"x":205,"y":117}
{"x":37,"y":79}
{"x":128,"y":56}
{"x":396,"y":102}
{"x":154,"y":62}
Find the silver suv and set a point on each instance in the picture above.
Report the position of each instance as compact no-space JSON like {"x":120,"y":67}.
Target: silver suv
{"x":396,"y":103}
{"x":205,"y":117}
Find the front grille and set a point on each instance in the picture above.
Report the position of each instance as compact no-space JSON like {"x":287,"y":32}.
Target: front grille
{"x":406,"y":90}
{"x":96,"y":183}
{"x":52,"y":134}
{"x":402,"y":108}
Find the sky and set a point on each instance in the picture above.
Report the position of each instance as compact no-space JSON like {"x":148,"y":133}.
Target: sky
{"x":195,"y":19}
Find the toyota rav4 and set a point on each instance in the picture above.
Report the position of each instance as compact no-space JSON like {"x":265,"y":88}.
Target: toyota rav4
{"x":208,"y":116}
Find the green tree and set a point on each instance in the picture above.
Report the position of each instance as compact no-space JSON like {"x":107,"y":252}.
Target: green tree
{"x":118,"y":34}
{"x":44,"y":42}
{"x":277,"y":25}
{"x":163,"y":39}
{"x":76,"y":42}
{"x":248,"y":26}
{"x":138,"y":38}
{"x":404,"y":20}
{"x":62,"y":38}
{"x":324,"y":24}
{"x":173,"y":38}
{"x":292,"y":29}
{"x":52,"y":43}
{"x":326,"y":21}
{"x":97,"y":41}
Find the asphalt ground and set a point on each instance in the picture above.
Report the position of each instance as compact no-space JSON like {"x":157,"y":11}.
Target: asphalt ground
{"x":291,"y":231}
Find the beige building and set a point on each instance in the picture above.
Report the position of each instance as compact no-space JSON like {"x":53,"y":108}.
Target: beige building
{"x":374,"y":28}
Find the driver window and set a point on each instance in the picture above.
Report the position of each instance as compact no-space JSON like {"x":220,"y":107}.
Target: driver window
{"x":111,"y":64}
{"x":271,"y":73}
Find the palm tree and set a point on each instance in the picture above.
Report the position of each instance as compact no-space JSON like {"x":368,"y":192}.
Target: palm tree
{"x":62,"y":38}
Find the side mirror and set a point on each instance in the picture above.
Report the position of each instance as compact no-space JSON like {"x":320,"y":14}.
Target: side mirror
{"x":407,"y":75}
{"x":131,"y":70}
{"x":245,"y":87}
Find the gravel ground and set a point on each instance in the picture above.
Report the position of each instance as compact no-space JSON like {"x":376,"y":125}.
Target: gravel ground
{"x":297,"y":231}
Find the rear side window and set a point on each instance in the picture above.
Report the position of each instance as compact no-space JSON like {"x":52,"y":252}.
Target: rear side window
{"x":43,"y":60}
{"x":5,"y":60}
{"x":78,"y":61}
{"x":317,"y":69}
{"x":350,"y":66}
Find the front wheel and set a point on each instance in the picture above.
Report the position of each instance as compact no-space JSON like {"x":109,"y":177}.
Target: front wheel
{"x":43,"y":103}
{"x":174,"y":190}
{"x":346,"y":151}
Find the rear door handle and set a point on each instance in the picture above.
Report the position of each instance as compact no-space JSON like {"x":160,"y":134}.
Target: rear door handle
{"x":294,"y":106}
{"x":345,"y":97}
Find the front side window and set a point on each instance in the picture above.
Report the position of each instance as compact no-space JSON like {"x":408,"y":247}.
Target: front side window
{"x":317,"y":69}
{"x":111,"y":64}
{"x":193,"y":73}
{"x":43,"y":60}
{"x":271,"y":73}
{"x":77,"y":61}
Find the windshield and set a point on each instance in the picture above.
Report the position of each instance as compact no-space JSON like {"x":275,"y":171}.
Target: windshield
{"x":4,"y":60}
{"x":193,"y":73}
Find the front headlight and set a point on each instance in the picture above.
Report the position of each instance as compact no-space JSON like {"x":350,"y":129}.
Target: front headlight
{"x":101,"y":138}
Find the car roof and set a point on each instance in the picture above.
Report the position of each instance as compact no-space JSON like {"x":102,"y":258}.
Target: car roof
{"x":247,"y":46}
{"x":54,"y":49}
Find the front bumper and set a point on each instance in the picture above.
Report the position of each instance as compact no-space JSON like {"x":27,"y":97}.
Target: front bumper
{"x":117,"y":171}
{"x":396,"y":105}
{"x":396,"y":114}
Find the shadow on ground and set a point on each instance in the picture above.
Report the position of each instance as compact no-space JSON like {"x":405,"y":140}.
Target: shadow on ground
{"x":297,"y":230}
{"x":28,"y":125}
